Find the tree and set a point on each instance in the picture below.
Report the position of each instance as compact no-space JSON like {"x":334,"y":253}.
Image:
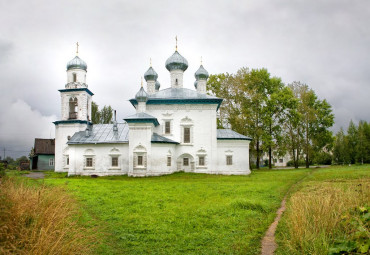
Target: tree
{"x":95,"y":113}
{"x":101,"y":117}
{"x":340,"y":154}
{"x":106,"y":115}
{"x":352,"y":139}
{"x":314,"y":119}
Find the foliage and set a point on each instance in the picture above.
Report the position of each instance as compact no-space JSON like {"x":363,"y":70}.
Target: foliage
{"x":322,"y":213}
{"x":182,"y":213}
{"x":104,"y":116}
{"x":40,"y":220}
{"x":2,"y":170}
{"x":353,"y":147}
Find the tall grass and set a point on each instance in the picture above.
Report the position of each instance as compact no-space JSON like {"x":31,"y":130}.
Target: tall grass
{"x":35,"y":219}
{"x":318,"y":215}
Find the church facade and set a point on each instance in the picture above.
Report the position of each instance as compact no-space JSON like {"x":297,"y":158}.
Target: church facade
{"x":174,"y":129}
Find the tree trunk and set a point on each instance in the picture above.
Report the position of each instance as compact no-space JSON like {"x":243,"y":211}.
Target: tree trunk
{"x":307,"y":162}
{"x":258,"y":154}
{"x":270,"y":150}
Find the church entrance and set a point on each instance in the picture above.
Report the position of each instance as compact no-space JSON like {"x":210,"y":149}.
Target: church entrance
{"x":185,"y":162}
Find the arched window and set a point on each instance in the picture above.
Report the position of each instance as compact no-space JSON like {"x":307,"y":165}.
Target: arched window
{"x":73,"y":105}
{"x":177,"y":81}
{"x":74,"y":77}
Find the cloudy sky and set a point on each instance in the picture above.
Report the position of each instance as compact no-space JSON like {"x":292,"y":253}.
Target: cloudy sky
{"x":325,"y":44}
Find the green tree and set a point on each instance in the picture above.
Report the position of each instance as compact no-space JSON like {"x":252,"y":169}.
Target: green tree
{"x":340,"y":153}
{"x":95,"y":113}
{"x":106,"y":115}
{"x":352,"y":136}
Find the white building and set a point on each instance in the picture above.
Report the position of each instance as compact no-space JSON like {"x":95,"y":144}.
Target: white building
{"x":174,"y":129}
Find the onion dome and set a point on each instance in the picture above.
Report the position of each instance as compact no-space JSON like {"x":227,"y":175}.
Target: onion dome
{"x":201,"y":73}
{"x":150,"y":75}
{"x":141,"y":96}
{"x":176,"y":62}
{"x":196,"y":84}
{"x":157,"y":85}
{"x":77,"y":63}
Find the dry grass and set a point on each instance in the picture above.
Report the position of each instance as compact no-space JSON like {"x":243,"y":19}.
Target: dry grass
{"x":314,"y":215}
{"x":40,"y":220}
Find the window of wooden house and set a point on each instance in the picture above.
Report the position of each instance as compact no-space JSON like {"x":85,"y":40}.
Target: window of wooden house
{"x":51,"y":162}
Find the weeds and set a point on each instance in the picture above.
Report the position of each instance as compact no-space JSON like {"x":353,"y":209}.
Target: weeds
{"x":40,"y":220}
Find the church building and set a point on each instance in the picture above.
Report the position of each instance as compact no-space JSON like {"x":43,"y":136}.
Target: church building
{"x":174,"y":129}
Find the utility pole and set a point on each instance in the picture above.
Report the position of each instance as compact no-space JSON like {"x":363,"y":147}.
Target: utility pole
{"x":4,"y":153}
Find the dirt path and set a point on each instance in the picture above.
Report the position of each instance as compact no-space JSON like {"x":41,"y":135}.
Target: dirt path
{"x":268,"y":242}
{"x":35,"y":175}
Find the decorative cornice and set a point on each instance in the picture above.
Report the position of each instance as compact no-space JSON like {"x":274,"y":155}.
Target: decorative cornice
{"x":78,"y":89}
{"x":217,"y":101}
{"x":72,"y":122}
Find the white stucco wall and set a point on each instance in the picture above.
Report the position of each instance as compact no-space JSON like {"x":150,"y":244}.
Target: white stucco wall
{"x":239,"y":150}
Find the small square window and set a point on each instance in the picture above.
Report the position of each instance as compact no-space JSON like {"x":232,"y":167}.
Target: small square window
{"x":89,"y":162}
{"x":139,"y":160}
{"x":186,"y":161}
{"x":229,"y":160}
{"x":281,"y":160}
{"x":51,"y":162}
{"x":114,"y":161}
{"x":168,"y":161}
{"x":167,"y":127}
{"x":201,"y":161}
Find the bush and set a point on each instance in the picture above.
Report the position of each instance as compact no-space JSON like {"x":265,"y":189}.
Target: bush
{"x":39,"y":220}
{"x":301,"y":162}
{"x":2,"y":170}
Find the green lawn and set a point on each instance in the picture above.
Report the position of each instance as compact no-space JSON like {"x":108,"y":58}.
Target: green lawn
{"x":181,"y":213}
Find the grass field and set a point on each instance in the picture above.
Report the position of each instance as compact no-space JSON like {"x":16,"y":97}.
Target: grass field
{"x":328,"y":213}
{"x":182,"y":213}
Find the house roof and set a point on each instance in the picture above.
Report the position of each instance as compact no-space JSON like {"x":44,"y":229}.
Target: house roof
{"x":103,"y":133}
{"x":228,"y":134}
{"x":44,"y":146}
{"x":142,"y":117}
{"x":180,"y":96}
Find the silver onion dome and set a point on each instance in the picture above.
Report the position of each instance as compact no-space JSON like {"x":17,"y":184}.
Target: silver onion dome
{"x":201,"y":73}
{"x":77,"y":63}
{"x":150,"y":75}
{"x":157,"y":85}
{"x":141,"y":96}
{"x":176,"y":62}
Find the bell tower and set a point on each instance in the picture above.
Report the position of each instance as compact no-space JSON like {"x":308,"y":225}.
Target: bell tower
{"x":75,"y":116}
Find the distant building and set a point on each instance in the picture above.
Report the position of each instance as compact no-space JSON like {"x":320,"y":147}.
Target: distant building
{"x":44,"y":154}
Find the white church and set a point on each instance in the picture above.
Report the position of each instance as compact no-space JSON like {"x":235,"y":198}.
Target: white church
{"x":174,"y":129}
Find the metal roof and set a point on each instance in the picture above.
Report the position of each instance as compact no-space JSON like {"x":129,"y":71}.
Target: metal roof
{"x":150,"y":74}
{"x":161,"y":139}
{"x":176,"y":61}
{"x":179,"y":93}
{"x":142,"y":117}
{"x":102,"y":133}
{"x":228,"y":134}
{"x":76,"y":63}
{"x":201,"y":73}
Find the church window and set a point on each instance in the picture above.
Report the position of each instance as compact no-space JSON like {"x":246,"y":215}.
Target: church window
{"x":74,"y":77}
{"x":89,"y":162}
{"x":186,"y":134}
{"x":115,"y":161}
{"x":139,"y":160}
{"x":229,"y":160}
{"x":169,"y":161}
{"x":73,"y":105}
{"x":186,"y":161}
{"x":67,"y":161}
{"x":177,"y":81}
{"x":51,"y":162}
{"x":201,"y":161}
{"x":167,"y":128}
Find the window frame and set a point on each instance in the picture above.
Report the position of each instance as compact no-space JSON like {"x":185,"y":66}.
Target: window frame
{"x":169,"y":160}
{"x":188,"y":141}
{"x":187,"y":162}
{"x":51,"y":162}
{"x":229,"y":160}
{"x":167,"y":125}
{"x":114,"y":161}
{"x":201,"y":160}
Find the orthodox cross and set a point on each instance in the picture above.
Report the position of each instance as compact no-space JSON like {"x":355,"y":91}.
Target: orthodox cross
{"x":141,"y":81}
{"x":150,"y":62}
{"x":176,"y":42}
{"x":201,"y":60}
{"x":77,"y":48}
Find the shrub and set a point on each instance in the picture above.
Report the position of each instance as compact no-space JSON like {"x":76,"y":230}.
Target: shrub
{"x":2,"y":170}
{"x":40,"y":220}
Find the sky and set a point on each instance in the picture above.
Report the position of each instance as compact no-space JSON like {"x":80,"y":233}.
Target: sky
{"x":324,"y":44}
